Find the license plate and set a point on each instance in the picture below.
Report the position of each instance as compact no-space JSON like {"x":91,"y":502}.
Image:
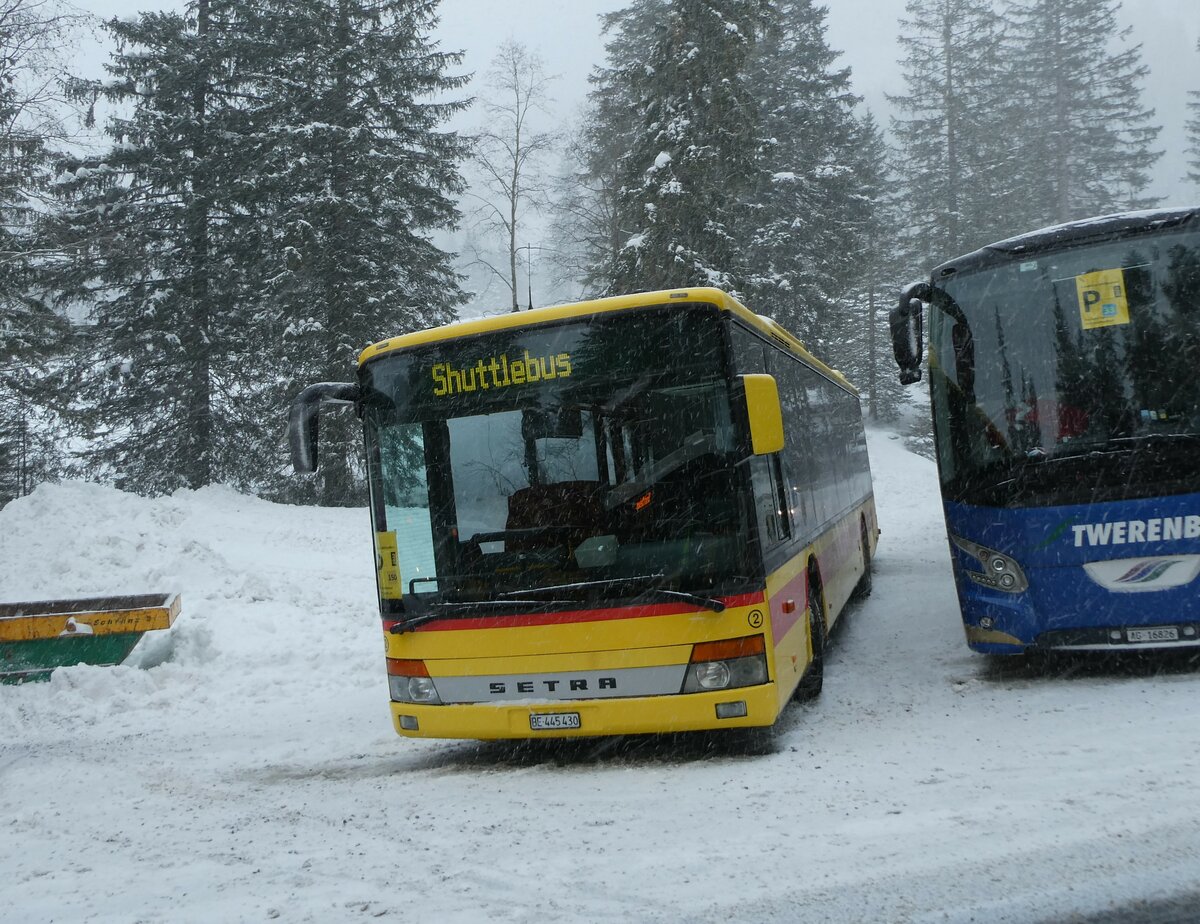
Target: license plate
{"x":1159,"y":634}
{"x":549,"y":721}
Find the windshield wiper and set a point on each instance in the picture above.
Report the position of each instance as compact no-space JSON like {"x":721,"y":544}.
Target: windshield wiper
{"x":465,"y":608}
{"x":403,"y":625}
{"x":1153,"y":439}
{"x":708,"y":603}
{"x":1116,"y":445}
{"x":1039,"y":459}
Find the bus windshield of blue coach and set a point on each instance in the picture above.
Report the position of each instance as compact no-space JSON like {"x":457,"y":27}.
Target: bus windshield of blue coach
{"x":1092,"y":349}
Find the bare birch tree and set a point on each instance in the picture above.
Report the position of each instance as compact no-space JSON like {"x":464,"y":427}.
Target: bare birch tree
{"x":510,"y":154}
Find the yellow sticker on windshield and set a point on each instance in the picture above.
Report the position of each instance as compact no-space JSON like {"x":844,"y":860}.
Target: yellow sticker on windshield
{"x":387,"y":564}
{"x":1102,"y":301}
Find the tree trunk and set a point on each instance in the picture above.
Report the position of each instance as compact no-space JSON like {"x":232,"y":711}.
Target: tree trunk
{"x":199,"y":340}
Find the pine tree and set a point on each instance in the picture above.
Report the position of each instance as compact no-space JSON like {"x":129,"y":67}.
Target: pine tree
{"x":586,"y":226}
{"x":354,"y":174}
{"x":1085,"y":144}
{"x":860,"y":345}
{"x":1193,"y":133}
{"x":804,"y":231}
{"x":32,"y":335}
{"x":582,"y":207}
{"x":800,"y":178}
{"x":261,"y":216}
{"x":154,"y":230}
{"x":952,"y":134}
{"x":691,"y":166}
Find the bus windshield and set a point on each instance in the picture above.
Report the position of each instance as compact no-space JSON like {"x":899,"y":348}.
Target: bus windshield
{"x":551,"y":465}
{"x":1070,"y":376}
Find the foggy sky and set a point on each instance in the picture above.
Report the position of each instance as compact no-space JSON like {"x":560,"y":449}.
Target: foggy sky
{"x":566,"y":35}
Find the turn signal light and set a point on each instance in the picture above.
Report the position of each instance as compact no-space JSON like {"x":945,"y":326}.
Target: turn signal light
{"x":729,"y":648}
{"x":399,"y":667}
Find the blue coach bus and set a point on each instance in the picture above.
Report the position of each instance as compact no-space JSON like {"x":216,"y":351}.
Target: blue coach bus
{"x":1064,"y":377}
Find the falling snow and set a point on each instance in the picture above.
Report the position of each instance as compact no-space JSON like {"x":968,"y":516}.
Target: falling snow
{"x":242,"y":766}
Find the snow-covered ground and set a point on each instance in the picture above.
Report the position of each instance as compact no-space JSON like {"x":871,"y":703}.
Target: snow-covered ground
{"x":242,"y":767}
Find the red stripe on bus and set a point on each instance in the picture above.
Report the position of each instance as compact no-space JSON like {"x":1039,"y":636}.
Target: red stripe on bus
{"x":518,"y":620}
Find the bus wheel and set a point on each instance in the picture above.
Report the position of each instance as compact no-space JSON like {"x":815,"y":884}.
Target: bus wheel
{"x":863,"y":587}
{"x":810,"y":684}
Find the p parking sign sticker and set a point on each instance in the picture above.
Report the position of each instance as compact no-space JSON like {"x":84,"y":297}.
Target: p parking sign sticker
{"x":1102,"y":300}
{"x":387,"y":564}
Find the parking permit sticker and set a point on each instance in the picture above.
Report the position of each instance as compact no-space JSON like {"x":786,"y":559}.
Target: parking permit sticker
{"x":387,"y":564}
{"x":1102,"y":301}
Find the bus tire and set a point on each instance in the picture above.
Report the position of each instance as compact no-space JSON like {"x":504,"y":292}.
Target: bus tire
{"x":863,"y":587}
{"x":809,"y":687}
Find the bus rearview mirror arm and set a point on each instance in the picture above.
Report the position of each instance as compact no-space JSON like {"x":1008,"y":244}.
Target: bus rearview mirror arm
{"x":304,"y":420}
{"x":905,"y":321}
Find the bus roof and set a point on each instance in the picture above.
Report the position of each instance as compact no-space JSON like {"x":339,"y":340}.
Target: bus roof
{"x":1058,"y":237}
{"x":554,"y":313}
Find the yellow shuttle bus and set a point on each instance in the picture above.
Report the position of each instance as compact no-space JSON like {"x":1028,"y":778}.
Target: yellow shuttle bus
{"x":635,"y":514}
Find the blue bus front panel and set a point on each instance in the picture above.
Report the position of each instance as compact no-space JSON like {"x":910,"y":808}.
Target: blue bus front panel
{"x":1109,"y":576}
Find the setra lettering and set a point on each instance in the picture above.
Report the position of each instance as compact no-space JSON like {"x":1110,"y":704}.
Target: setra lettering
{"x":577,"y":684}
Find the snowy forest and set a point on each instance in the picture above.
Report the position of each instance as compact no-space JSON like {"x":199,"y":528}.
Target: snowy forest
{"x":270,"y":185}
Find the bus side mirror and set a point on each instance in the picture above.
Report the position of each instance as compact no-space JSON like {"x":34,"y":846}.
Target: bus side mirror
{"x":304,"y":420}
{"x":764,"y":413}
{"x":905,"y":322}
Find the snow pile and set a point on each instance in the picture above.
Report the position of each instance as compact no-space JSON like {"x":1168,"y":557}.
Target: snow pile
{"x":242,"y":767}
{"x":251,"y":573}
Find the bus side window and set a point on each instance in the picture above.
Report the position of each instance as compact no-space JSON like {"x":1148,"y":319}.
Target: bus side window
{"x":770,"y":501}
{"x":780,"y":485}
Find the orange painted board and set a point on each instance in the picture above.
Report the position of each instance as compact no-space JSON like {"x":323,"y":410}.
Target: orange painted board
{"x":39,"y":619}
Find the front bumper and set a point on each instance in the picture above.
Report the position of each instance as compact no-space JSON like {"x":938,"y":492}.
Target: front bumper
{"x":644,"y":715}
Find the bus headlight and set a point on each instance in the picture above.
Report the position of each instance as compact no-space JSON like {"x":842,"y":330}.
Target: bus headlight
{"x":1000,"y":571}
{"x":409,"y":682}
{"x":713,"y":675}
{"x":738,"y":662}
{"x":421,"y":690}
